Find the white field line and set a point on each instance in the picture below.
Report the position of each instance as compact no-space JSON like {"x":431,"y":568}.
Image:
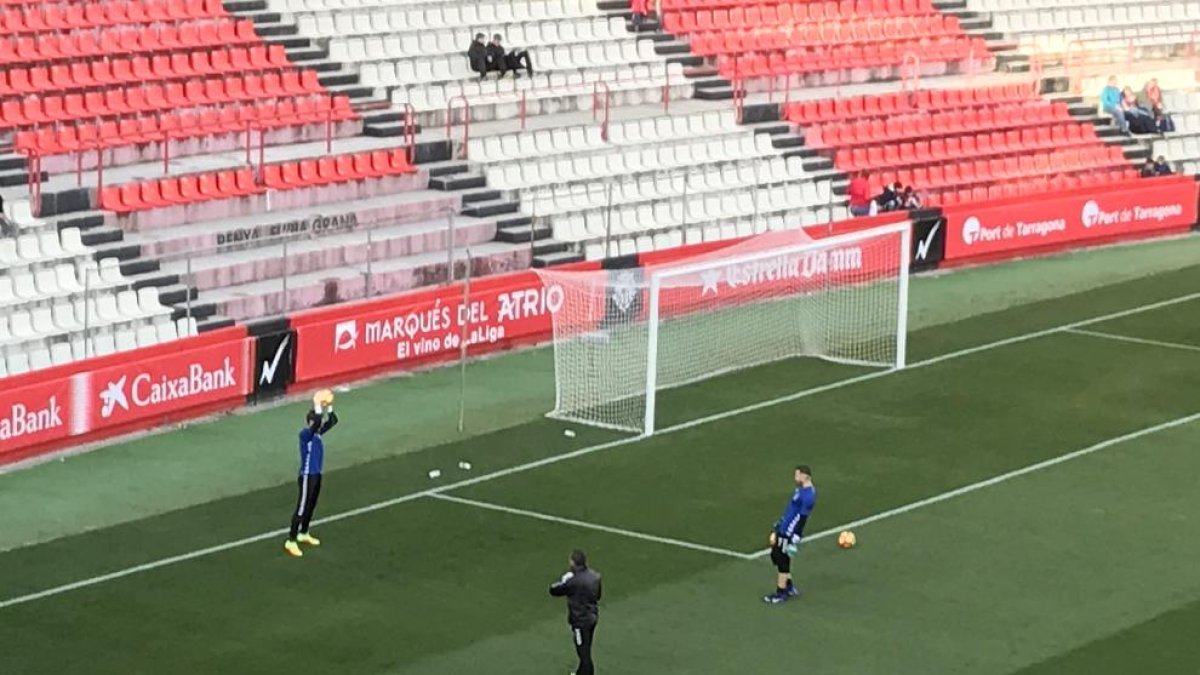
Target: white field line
{"x":967,"y":489}
{"x":1135,"y":340}
{"x":594,"y":526}
{"x":520,"y":468}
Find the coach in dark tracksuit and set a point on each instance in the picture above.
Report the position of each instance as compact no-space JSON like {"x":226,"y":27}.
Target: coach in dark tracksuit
{"x":312,"y":461}
{"x":581,"y":587}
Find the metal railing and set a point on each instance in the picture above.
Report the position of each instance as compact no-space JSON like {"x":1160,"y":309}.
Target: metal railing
{"x":597,"y":105}
{"x":466,"y":117}
{"x":36,"y":156}
{"x":359,"y":253}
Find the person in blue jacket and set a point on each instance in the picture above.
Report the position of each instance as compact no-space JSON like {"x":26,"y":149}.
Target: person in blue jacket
{"x":1110,"y":102}
{"x":785,"y":537}
{"x":312,"y":461}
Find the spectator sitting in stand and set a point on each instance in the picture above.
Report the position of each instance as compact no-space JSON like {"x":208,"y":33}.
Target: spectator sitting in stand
{"x":1110,"y":102}
{"x":1161,"y":167}
{"x":1129,"y":103}
{"x":860,"y":195}
{"x":1140,"y":120}
{"x":889,"y":199}
{"x":1149,"y":169}
{"x":910,"y":199}
{"x":1151,"y":98}
{"x":477,"y":56}
{"x":498,"y":59}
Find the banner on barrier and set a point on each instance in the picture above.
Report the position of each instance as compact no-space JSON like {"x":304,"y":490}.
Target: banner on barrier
{"x":427,"y":329}
{"x":160,"y":386}
{"x":140,"y":390}
{"x":35,"y":414}
{"x":275,"y":363}
{"x":1012,"y":226}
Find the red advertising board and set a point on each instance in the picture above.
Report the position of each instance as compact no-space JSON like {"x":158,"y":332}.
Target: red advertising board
{"x":37,"y":413}
{"x":1015,"y":226}
{"x":123,"y":392}
{"x":157,"y":387}
{"x":410,"y":331}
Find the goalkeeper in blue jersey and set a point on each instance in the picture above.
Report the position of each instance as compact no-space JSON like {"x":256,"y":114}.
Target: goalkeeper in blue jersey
{"x":785,"y":537}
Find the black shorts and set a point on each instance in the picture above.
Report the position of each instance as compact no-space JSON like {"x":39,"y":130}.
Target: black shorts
{"x":783,"y":561}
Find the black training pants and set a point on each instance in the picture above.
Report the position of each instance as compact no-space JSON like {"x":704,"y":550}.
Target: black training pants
{"x":514,"y":61}
{"x":783,"y":561}
{"x":582,"y":637}
{"x":306,"y":504}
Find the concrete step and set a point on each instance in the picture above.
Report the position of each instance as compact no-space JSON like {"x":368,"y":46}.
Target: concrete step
{"x":480,"y":196}
{"x":649,"y":27}
{"x":139,"y":267}
{"x":559,"y":258}
{"x":490,"y":208}
{"x":13,"y":162}
{"x":351,"y":90}
{"x":338,"y":77}
{"x":245,"y":6}
{"x":689,"y":61}
{"x":445,"y":167}
{"x":517,"y":234}
{"x":460,"y":181}
{"x":672,"y":48}
{"x":772,"y":128}
{"x":289,"y":41}
{"x":102,"y":236}
{"x":114,"y":248}
{"x":263,"y":17}
{"x":788,"y":141}
{"x":15,"y":177}
{"x":275,"y":29}
{"x":549,"y":246}
{"x":323,"y":66}
{"x":304,"y":55}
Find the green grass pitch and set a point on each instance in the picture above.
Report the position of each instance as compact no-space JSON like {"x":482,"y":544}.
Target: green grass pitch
{"x":1024,"y":497}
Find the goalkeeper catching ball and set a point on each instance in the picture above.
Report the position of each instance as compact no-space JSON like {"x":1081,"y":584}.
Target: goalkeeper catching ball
{"x":312,"y":461}
{"x":785,"y":537}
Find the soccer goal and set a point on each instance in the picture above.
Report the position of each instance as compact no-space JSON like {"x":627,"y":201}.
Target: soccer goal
{"x":621,"y":336}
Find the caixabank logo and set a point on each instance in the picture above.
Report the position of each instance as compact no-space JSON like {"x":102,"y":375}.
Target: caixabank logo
{"x":166,"y":387}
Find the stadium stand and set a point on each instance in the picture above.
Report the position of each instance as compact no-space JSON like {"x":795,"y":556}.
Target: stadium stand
{"x":962,"y":145}
{"x":1182,"y":148}
{"x":193,"y":162}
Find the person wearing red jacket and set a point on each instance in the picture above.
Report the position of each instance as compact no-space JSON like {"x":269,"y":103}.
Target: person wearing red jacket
{"x":640,"y":9}
{"x":860,"y":195}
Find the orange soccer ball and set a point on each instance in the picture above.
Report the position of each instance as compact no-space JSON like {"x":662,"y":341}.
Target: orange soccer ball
{"x":847,"y":539}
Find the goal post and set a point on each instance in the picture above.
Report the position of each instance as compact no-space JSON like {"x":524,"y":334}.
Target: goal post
{"x":622,"y":336}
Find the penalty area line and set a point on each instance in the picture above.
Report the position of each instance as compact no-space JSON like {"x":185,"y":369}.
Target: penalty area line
{"x":631,"y":534}
{"x":973,"y":487}
{"x":1134,"y":340}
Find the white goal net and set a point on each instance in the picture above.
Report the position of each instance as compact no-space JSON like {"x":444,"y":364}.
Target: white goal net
{"x":621,"y":336}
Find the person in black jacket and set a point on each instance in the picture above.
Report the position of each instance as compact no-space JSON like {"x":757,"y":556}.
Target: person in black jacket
{"x":477,"y":55}
{"x":581,"y":587}
{"x":498,"y":59}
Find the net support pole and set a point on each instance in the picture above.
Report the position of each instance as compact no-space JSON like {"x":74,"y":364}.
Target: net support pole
{"x":464,"y":315}
{"x":902,"y":306}
{"x":652,"y":355}
{"x":87,"y":314}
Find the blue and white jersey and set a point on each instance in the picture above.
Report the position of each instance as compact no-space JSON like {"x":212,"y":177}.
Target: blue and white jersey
{"x":791,"y":524}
